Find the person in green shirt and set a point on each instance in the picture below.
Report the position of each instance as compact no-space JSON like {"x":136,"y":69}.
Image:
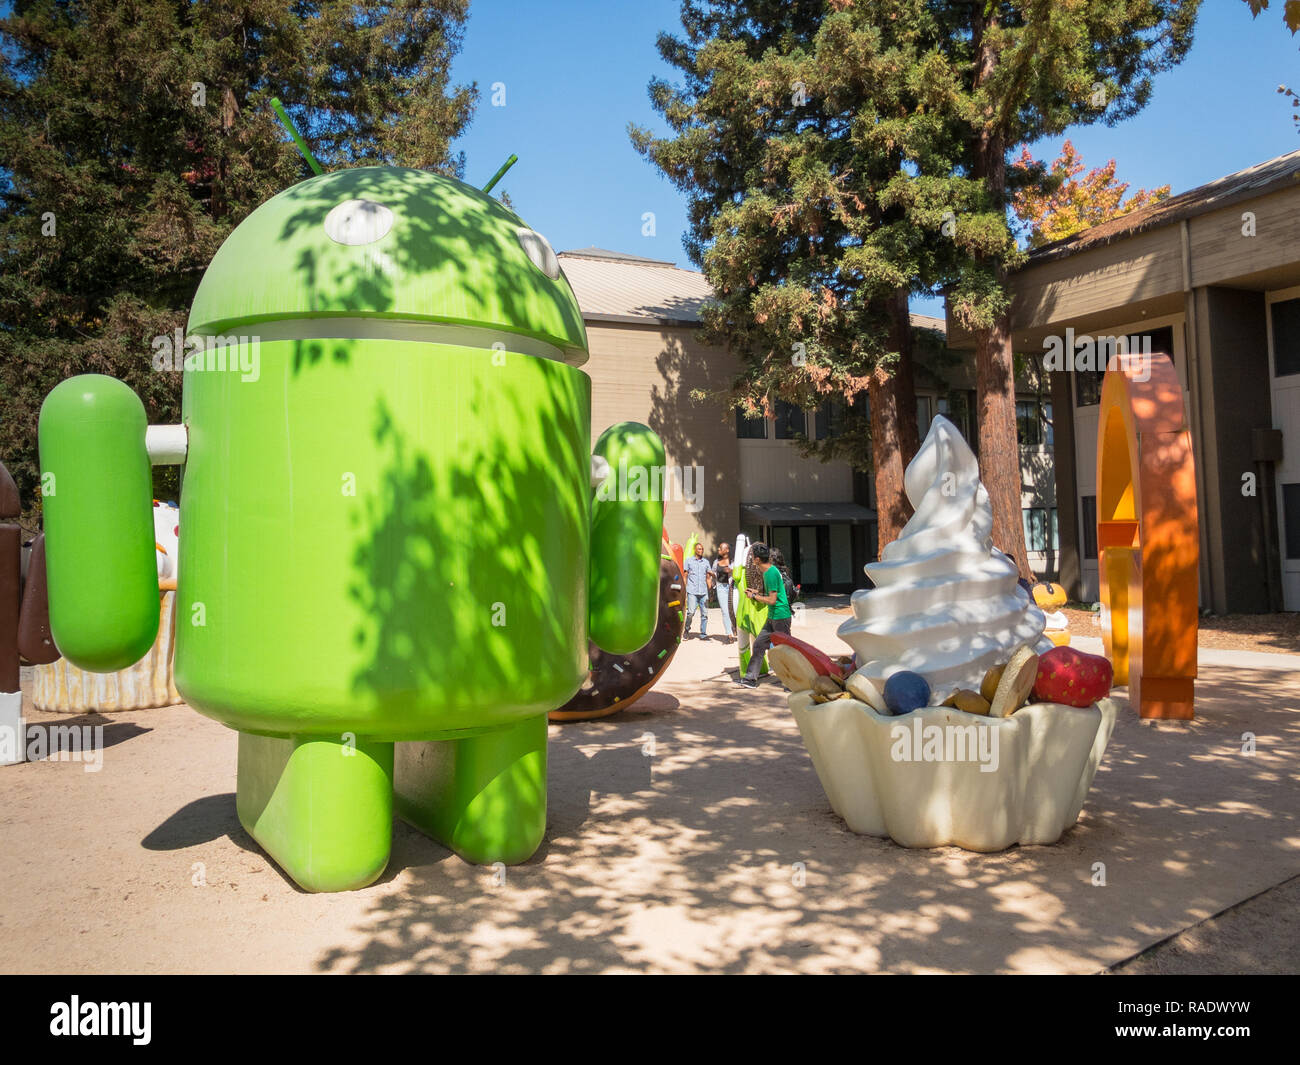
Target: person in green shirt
{"x":778,"y":614}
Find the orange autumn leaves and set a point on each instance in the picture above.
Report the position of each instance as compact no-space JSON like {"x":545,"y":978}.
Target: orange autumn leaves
{"x":1065,"y":203}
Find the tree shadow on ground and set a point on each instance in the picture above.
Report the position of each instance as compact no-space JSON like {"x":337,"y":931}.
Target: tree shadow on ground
{"x":731,"y":860}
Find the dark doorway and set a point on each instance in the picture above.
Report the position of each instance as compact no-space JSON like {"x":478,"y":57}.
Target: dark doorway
{"x":823,"y":558}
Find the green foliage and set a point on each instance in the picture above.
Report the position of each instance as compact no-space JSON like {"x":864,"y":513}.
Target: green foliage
{"x":836,"y":153}
{"x":136,"y":136}
{"x":1029,"y":70}
{"x":819,"y":150}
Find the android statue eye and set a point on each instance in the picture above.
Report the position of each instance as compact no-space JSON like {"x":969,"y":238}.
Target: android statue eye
{"x":356,"y":222}
{"x":539,"y":251}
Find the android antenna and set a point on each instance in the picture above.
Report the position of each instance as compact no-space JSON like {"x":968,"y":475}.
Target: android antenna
{"x":278,"y":108}
{"x":501,"y":173}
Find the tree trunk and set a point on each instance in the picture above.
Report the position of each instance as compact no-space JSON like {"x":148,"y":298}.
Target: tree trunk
{"x":995,"y":378}
{"x":229,"y":112}
{"x":894,"y":443}
{"x":900,"y":340}
{"x":892,"y":507}
{"x":999,"y":448}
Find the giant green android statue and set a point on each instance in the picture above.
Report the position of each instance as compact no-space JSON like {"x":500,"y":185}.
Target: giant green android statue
{"x":392,"y":549}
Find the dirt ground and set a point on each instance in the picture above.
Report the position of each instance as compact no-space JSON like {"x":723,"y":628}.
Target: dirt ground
{"x":688,"y":833}
{"x":1269,"y":633}
{"x":1229,"y":941}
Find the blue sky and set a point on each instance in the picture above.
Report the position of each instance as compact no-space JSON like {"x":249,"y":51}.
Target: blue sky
{"x":575,"y":73}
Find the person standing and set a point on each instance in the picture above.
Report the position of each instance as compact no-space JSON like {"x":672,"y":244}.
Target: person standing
{"x":699,"y":574}
{"x":722,"y":581}
{"x":778,"y":614}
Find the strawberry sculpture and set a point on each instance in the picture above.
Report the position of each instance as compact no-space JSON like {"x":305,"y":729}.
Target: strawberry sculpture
{"x":1067,"y":675}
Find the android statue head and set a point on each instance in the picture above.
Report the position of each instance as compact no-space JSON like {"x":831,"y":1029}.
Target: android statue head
{"x":422,"y":252}
{"x":414,"y":428}
{"x":389,"y":525}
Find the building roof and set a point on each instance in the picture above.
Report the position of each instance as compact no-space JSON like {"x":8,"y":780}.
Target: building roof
{"x":592,"y":252}
{"x":806,"y":513}
{"x":613,"y":286}
{"x":1279,"y":173}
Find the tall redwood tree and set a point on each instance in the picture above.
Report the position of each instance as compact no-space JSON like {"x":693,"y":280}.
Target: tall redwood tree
{"x":1028,"y":70}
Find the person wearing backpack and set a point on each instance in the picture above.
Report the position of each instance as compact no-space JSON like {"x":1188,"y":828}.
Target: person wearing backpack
{"x":791,"y":589}
{"x":778,"y":614}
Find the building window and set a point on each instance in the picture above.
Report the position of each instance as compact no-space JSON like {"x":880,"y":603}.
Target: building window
{"x":956,"y":408}
{"x":1286,"y":337}
{"x":829,"y":420}
{"x":1041,"y":532}
{"x":1291,"y":518}
{"x":1033,"y":423}
{"x":1035,"y":522}
{"x":923,"y":415}
{"x":1087,"y":388}
{"x":1029,"y":426}
{"x":790,"y":421}
{"x":750,"y":428}
{"x":1088,"y":509}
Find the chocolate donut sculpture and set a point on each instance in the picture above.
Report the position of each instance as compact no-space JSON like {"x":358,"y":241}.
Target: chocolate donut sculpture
{"x":617,"y":681}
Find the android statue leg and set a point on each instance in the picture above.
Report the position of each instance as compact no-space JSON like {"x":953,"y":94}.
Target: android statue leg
{"x":483,"y":796}
{"x":321,"y":807}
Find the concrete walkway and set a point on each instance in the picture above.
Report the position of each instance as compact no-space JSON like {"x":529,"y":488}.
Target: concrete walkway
{"x":1213,"y":656}
{"x":688,"y":833}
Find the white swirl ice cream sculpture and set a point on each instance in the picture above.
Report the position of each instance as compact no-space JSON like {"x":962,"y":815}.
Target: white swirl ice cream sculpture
{"x":947,"y":605}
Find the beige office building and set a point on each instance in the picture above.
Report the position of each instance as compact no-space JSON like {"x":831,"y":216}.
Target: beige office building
{"x":1211,"y":280}
{"x":728,"y":474}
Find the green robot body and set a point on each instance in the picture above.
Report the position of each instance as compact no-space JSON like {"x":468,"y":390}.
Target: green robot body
{"x":389,"y":529}
{"x":393,"y":542}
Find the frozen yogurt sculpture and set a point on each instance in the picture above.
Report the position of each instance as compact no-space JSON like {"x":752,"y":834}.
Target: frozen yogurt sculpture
{"x":948,"y":613}
{"x":946,"y":604}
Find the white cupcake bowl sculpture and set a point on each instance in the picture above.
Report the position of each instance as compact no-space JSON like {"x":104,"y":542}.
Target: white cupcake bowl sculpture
{"x":947,"y":605}
{"x":996,"y":781}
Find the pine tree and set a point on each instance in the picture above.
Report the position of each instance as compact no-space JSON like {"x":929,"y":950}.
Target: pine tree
{"x":1030,"y":70}
{"x":136,"y":136}
{"x":816,"y":145}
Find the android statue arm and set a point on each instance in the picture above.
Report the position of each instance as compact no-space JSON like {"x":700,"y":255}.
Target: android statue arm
{"x":626,"y":527}
{"x":96,"y":450}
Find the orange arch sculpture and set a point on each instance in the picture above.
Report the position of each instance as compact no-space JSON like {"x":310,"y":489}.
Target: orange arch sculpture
{"x":1148,"y":543}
